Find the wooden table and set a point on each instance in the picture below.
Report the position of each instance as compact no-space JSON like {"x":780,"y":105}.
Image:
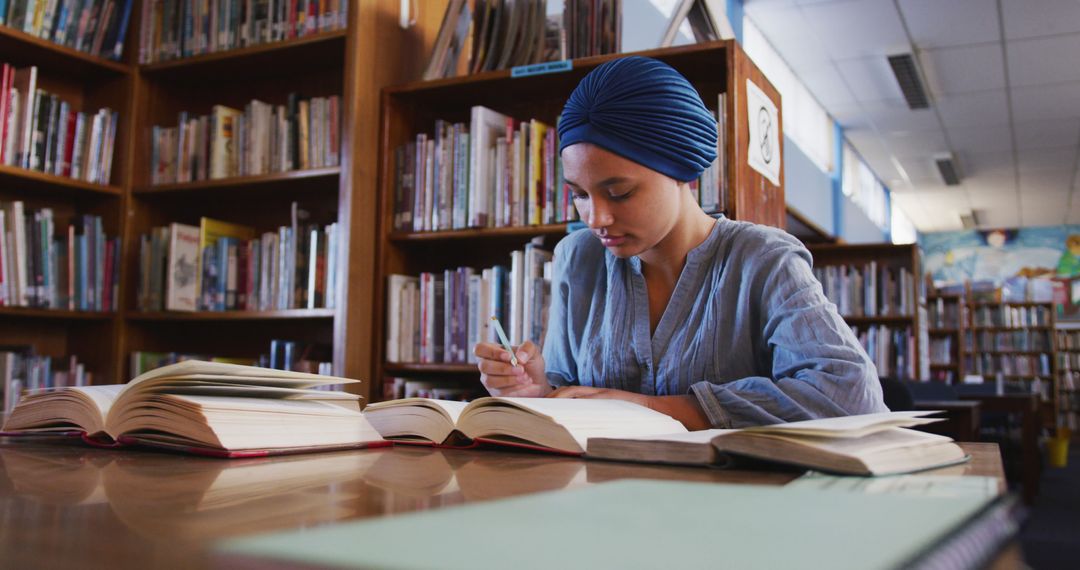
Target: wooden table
{"x":68,"y":506}
{"x":961,"y":418}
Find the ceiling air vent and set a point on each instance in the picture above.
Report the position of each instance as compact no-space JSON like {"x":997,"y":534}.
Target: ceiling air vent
{"x":947,"y":167}
{"x":971,"y":220}
{"x":907,"y":75}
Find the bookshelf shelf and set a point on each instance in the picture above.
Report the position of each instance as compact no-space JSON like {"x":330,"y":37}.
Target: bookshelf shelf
{"x":54,"y":314}
{"x":20,"y":48}
{"x":977,"y":304}
{"x":1019,"y":352}
{"x":944,"y":331}
{"x":232,"y":315}
{"x":325,"y":49}
{"x":485,"y":233}
{"x":1010,"y":329}
{"x":265,"y":182}
{"x":417,"y":368}
{"x":32,"y":180}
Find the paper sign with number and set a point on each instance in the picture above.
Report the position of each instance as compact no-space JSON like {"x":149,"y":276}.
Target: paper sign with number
{"x":761,"y":113}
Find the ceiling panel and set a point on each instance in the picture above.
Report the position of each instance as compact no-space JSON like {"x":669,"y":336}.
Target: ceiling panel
{"x":1046,"y":102}
{"x":1047,"y":134}
{"x":857,"y":29}
{"x":1046,"y":209}
{"x":1034,"y":183}
{"x":986,"y":163}
{"x":934,"y":23}
{"x":1047,"y":17}
{"x":981,"y":139}
{"x":916,"y":144}
{"x":1047,"y":159}
{"x":985,"y":199}
{"x":870,"y":78}
{"x":1043,"y":60}
{"x":986,"y":108}
{"x":983,"y":183}
{"x":922,"y":169}
{"x":826,"y":84}
{"x":894,"y":115}
{"x":849,"y":115}
{"x":784,"y":26}
{"x":963,"y":69}
{"x":1000,"y":218}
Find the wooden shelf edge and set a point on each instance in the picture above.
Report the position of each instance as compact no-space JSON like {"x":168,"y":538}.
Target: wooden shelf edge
{"x":231,"y":315}
{"x":58,"y":181}
{"x":240,"y":53}
{"x":64,"y":51}
{"x":238,"y":181}
{"x":58,"y":314}
{"x":479,"y":233}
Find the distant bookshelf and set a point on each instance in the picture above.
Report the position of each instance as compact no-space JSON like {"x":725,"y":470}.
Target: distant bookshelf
{"x":878,"y":291}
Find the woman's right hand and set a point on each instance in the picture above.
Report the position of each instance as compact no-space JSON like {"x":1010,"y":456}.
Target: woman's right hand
{"x":501,"y":378}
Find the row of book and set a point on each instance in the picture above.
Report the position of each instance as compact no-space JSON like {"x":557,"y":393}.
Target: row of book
{"x":870,"y":290}
{"x":496,"y":171}
{"x":22,"y":370}
{"x":97,"y":27}
{"x":1003,"y":341}
{"x":1069,"y":400}
{"x":892,"y":349}
{"x":172,"y":29}
{"x":261,"y":139}
{"x":1068,"y":361}
{"x":1006,"y":316}
{"x":73,"y":267}
{"x":1068,"y":339}
{"x":396,"y":388}
{"x":219,"y":266}
{"x":283,"y":355}
{"x":439,"y":317}
{"x":941,"y":351}
{"x":943,"y":375}
{"x":946,"y":313}
{"x":486,"y":35}
{"x":1008,"y":364}
{"x":41,"y":132}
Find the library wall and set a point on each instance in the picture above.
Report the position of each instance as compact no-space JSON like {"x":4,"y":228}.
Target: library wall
{"x":999,"y":254}
{"x":808,"y":189}
{"x":857,"y":226}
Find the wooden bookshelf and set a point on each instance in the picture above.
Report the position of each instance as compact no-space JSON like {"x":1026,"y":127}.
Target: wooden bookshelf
{"x":893,"y":258}
{"x":356,"y":62}
{"x":949,"y":313}
{"x":87,"y":83}
{"x":411,"y":108}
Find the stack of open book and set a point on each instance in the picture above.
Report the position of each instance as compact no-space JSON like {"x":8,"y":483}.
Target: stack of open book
{"x":229,"y":410}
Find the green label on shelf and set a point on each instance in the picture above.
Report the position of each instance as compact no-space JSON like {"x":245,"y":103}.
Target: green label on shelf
{"x":541,"y":68}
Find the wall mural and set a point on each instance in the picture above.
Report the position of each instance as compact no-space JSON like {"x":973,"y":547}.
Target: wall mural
{"x":955,"y":257}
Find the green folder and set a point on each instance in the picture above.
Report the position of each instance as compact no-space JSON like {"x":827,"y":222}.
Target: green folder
{"x":654,"y":524}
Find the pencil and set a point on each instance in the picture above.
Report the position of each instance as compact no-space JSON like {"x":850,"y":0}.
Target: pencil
{"x":505,"y":342}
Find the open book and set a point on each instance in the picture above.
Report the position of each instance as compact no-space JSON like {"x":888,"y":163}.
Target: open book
{"x":869,"y":444}
{"x":209,"y":408}
{"x":551,"y":424}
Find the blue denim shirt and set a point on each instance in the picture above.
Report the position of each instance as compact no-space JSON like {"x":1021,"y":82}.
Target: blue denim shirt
{"x":748,"y":330}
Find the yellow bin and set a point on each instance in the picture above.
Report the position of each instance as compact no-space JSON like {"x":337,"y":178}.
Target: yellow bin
{"x":1059,"y":448}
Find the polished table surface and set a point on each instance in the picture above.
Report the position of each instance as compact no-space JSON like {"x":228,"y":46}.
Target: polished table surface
{"x":69,"y":506}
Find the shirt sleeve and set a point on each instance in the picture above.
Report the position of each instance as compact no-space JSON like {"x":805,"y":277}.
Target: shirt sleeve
{"x":819,"y":369}
{"x":559,"y":362}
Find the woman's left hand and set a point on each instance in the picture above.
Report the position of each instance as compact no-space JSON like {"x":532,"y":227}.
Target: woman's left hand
{"x":605,"y":393}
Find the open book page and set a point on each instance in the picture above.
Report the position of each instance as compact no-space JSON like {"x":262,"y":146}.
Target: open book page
{"x":241,"y":423}
{"x":850,"y":426}
{"x":581,"y":418}
{"x":62,"y":409}
{"x":238,"y":373}
{"x":423,"y":419}
{"x":198,"y":388}
{"x":892,"y":438}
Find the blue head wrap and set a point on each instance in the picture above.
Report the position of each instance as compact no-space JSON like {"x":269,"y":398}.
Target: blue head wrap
{"x":643,"y":110}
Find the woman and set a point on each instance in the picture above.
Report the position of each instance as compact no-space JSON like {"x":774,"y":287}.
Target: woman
{"x":716,"y":323}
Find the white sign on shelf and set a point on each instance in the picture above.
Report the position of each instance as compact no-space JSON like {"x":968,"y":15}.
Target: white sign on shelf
{"x":761,"y":113}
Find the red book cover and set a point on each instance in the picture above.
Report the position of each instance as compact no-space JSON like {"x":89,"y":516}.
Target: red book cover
{"x":71,"y":267}
{"x":5,"y":102}
{"x":69,"y":144}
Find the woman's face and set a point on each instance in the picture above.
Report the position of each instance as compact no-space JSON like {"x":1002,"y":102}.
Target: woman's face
{"x":630,"y":207}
